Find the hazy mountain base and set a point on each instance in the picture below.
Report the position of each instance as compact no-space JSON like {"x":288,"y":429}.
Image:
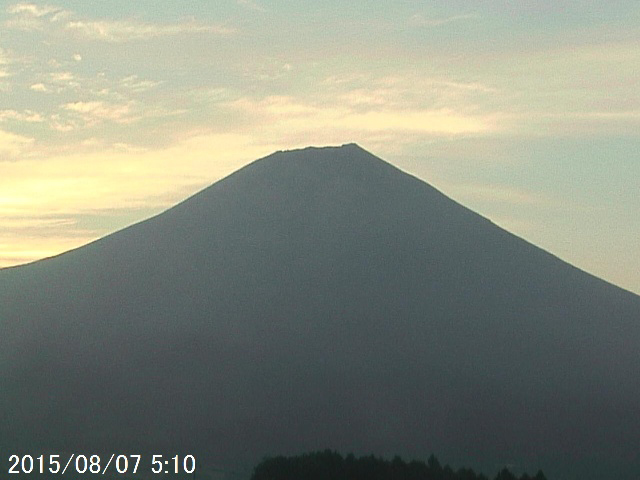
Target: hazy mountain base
{"x":322,"y":297}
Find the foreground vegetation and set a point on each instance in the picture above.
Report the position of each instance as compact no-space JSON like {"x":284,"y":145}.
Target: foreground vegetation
{"x":330,"y":465}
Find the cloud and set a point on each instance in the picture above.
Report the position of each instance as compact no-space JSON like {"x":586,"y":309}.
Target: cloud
{"x":409,"y":91}
{"x":22,"y":245}
{"x":291,"y":114}
{"x":61,"y":77}
{"x":95,"y":176}
{"x":12,"y":144}
{"x":440,"y":121}
{"x":123,"y":31}
{"x":250,"y":4}
{"x":46,"y":199}
{"x":27,"y":16}
{"x":59,"y":125}
{"x":33,"y":10}
{"x":98,"y":111}
{"x":4,"y":57}
{"x":497,"y":193}
{"x":469,"y":87}
{"x":5,"y":61}
{"x":64,"y":81}
{"x":39,"y":87}
{"x":30,"y":17}
{"x":579,"y":123}
{"x":134,"y":84}
{"x":35,"y":222}
{"x":25,"y":116}
{"x":418,"y":20}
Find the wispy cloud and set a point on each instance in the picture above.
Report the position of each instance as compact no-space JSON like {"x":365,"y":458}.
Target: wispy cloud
{"x":419,"y":20}
{"x":250,"y":4}
{"x":33,"y":10}
{"x":469,"y":87}
{"x":123,"y":31}
{"x":134,"y":84}
{"x":40,"y":87}
{"x":24,"y":240}
{"x":24,"y":116}
{"x":94,"y":112}
{"x":300,"y":115}
{"x":579,"y":123}
{"x":415,"y":93}
{"x":56,"y":82}
{"x":30,"y":17}
{"x":498,"y":193}
{"x":12,"y":144}
{"x":5,"y":62}
{"x":44,"y":198}
{"x":27,"y":16}
{"x":4,"y":57}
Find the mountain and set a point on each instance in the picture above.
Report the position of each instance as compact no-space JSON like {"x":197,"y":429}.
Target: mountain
{"x":322,"y":298}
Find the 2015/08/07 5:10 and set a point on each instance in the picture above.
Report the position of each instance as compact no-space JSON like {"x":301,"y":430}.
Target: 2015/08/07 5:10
{"x":26,"y":464}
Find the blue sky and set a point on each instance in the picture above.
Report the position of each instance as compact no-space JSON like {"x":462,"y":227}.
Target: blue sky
{"x":527,"y":112}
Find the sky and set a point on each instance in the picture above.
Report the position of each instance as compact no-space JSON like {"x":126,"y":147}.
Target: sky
{"x":527,"y":112}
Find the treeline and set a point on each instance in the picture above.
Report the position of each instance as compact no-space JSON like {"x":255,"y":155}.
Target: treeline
{"x":330,"y":465}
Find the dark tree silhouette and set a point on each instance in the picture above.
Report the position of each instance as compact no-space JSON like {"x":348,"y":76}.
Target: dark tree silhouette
{"x":505,"y":474}
{"x":330,"y":465}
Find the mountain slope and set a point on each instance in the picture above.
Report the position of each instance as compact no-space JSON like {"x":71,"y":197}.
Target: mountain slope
{"x":322,"y":298}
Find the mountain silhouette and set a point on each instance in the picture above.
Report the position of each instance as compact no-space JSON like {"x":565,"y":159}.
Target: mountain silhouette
{"x":322,"y":298}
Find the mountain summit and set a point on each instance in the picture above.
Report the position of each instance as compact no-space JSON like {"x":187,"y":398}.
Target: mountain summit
{"x":322,"y":298}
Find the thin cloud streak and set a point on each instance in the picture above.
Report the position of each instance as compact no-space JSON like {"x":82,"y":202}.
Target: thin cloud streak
{"x":33,"y":10}
{"x":418,"y":20}
{"x":499,"y":193}
{"x":25,"y":116}
{"x":298,"y":116}
{"x":123,"y":31}
{"x":12,"y":145}
{"x":251,"y":5}
{"x":94,"y":112}
{"x":31,"y":17}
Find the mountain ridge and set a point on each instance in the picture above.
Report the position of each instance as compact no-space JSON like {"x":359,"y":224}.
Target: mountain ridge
{"x":293,"y":152}
{"x":336,"y":297}
{"x":280,"y":154}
